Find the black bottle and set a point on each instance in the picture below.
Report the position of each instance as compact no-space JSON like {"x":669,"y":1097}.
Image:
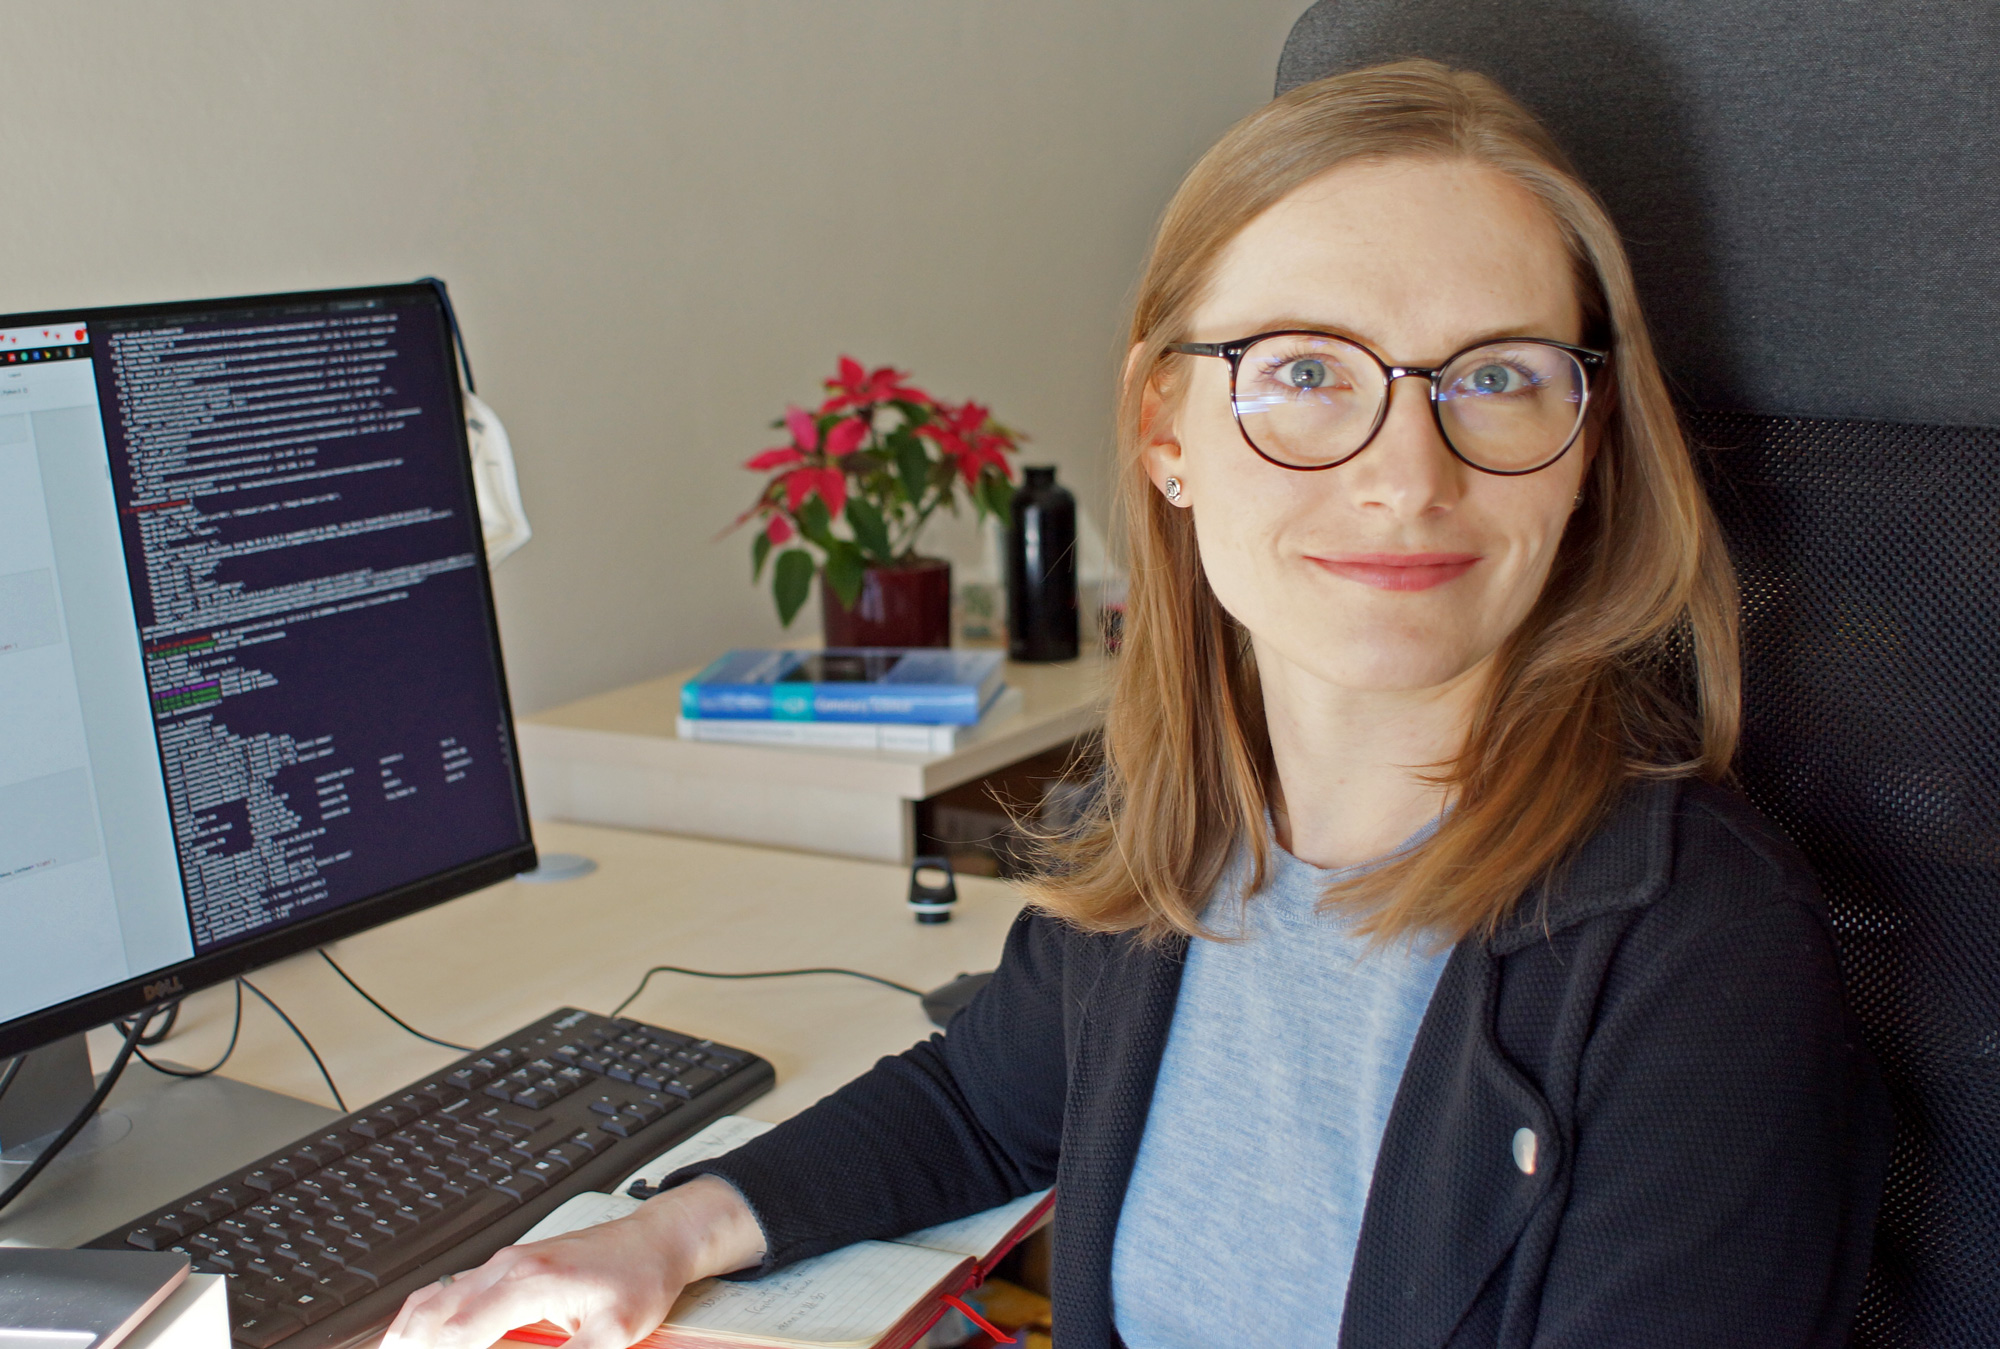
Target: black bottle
{"x":1041,"y":570}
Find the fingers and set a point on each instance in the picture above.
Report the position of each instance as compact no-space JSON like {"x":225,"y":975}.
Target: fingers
{"x":607,"y":1286}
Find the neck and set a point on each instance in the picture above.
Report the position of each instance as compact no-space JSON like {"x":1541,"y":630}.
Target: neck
{"x":1352,"y":763}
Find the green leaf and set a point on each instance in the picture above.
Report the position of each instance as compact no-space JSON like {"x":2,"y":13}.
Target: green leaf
{"x":815,"y":523}
{"x":844,"y":566}
{"x":912,"y":464}
{"x":791,"y":582}
{"x":997,"y":495}
{"x":871,"y":531}
{"x":759,"y":550}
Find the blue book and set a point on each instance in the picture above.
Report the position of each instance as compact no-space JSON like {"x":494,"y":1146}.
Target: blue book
{"x":933,"y":685}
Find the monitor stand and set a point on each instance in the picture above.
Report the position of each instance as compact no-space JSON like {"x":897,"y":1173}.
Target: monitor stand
{"x":156,"y":1138}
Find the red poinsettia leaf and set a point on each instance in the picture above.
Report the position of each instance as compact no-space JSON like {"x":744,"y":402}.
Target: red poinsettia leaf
{"x":845,"y":438}
{"x":777,"y":457}
{"x":851,"y":375}
{"x":832,"y":489}
{"x":779,"y":530}
{"x":799,"y":485}
{"x":804,"y":429}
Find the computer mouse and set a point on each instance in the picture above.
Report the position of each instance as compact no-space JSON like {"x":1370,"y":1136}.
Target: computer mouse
{"x":945,"y":1001}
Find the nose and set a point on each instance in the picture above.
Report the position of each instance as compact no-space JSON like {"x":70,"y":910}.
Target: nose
{"x":1407,"y":470}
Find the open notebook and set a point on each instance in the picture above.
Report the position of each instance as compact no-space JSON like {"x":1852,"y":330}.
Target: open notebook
{"x":871,"y":1295}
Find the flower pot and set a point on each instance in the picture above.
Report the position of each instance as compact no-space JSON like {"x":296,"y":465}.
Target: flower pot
{"x":905,"y":605}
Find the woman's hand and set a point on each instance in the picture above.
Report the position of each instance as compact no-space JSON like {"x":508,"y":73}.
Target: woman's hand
{"x":609,"y":1286}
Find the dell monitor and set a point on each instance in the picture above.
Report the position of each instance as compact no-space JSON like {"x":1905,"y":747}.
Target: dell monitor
{"x":251,"y":694}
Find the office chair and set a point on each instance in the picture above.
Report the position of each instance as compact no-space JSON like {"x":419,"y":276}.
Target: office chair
{"x":1810,"y":190}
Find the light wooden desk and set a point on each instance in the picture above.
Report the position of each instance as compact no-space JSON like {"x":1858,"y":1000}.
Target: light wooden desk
{"x":480,"y":966}
{"x":614,"y":759}
{"x":488,"y":963}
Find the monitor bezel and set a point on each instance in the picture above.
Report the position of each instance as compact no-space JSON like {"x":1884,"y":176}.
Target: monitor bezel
{"x":133,"y":996}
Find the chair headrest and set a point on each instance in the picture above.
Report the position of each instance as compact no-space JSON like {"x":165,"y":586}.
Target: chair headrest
{"x":1809,"y":189}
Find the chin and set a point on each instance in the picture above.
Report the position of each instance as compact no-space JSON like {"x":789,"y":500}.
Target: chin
{"x":1395,"y":666}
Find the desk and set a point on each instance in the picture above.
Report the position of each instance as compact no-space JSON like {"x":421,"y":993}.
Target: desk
{"x":614,"y":759}
{"x":483,"y":965}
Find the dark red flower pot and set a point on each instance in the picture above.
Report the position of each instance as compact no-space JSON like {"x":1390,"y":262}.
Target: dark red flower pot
{"x":905,"y":605}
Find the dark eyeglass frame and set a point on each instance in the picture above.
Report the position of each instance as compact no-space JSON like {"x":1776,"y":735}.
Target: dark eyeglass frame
{"x":1591,"y":360}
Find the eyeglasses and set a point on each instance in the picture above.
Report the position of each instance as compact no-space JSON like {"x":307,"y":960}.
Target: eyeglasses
{"x":1308,"y":400}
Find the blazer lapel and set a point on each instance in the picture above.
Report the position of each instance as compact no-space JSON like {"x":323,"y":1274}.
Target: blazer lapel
{"x":1122,"y":1021}
{"x":1450,"y":1195}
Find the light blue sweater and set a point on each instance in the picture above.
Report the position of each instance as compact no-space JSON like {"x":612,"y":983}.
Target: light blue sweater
{"x":1283,"y":1059}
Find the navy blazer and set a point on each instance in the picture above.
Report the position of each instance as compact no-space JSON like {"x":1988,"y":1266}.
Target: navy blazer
{"x":1665,"y":1018}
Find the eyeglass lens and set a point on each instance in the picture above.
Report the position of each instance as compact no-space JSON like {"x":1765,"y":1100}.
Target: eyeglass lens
{"x":1309,"y":401}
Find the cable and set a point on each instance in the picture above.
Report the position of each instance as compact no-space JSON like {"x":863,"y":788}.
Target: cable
{"x":13,"y":1071}
{"x":451,"y":317}
{"x":150,"y":1038}
{"x":760,"y":974}
{"x":302,"y":1040}
{"x":83,"y":1116}
{"x":235,"y":1029}
{"x":463,"y":1049}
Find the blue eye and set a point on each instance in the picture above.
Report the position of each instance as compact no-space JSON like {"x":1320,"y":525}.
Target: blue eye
{"x":1493,"y":378}
{"x":1304,"y":374}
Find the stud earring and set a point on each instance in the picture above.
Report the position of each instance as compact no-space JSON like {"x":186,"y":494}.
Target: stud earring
{"x":1174,"y":490}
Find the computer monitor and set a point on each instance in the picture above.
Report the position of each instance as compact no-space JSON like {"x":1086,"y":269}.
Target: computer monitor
{"x":251,"y":693}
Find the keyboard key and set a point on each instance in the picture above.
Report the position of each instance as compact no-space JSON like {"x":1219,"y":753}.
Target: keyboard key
{"x":179,"y":1222}
{"x":567,"y":1156}
{"x":694,"y":1079}
{"x":399,"y":1258}
{"x":588,"y":1141}
{"x":468,"y":1079}
{"x":310,"y":1307}
{"x":205,"y":1209}
{"x":608,"y":1103}
{"x":231,"y":1197}
{"x":618,"y":1071}
{"x":342,"y":1286}
{"x":524,"y":1184}
{"x":261,"y":1330}
{"x":268,"y":1182}
{"x":652,"y":1079}
{"x":622,"y":1126}
{"x":535,"y":1098}
{"x":645,"y":1111}
{"x":151,"y":1238}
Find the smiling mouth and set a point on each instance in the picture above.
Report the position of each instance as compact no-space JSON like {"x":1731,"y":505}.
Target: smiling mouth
{"x":1399,"y":571}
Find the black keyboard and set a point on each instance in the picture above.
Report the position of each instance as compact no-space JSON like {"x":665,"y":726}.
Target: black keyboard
{"x":323,"y":1240}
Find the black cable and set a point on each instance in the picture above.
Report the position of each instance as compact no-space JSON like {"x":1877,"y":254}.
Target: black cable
{"x":463,"y":1049}
{"x":83,"y":1116}
{"x":451,"y":317}
{"x":13,"y":1071}
{"x":150,"y":1037}
{"x":760,"y":974}
{"x":302,"y":1040}
{"x":235,"y":1029}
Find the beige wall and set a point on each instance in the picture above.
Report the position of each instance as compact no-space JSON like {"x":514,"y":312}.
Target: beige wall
{"x":661,"y":220}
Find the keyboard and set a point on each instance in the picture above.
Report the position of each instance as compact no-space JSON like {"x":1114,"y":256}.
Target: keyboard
{"x":324,"y":1239}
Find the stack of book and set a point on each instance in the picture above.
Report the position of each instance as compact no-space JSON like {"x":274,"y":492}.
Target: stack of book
{"x":922,"y":701}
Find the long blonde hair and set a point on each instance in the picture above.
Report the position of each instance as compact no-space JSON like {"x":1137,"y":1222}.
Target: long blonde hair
{"x":1626,"y":667}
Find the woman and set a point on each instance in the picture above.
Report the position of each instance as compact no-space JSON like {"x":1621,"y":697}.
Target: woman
{"x":1412,"y":983}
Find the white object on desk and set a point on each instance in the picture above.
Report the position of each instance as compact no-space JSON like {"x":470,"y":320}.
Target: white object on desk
{"x":194,"y":1316}
{"x":615,"y":759}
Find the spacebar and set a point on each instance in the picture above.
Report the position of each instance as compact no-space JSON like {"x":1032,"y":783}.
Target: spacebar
{"x":432,"y":1239}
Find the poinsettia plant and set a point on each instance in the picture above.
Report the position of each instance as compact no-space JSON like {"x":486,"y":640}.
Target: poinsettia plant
{"x":858,"y":478}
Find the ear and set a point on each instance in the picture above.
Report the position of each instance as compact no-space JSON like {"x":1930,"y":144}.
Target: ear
{"x":1159,"y":441}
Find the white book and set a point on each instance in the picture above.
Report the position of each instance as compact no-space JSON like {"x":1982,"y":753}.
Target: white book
{"x":871,"y":1295}
{"x":898,"y":737}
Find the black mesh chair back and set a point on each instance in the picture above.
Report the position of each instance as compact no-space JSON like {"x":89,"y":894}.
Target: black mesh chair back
{"x":1810,"y":191}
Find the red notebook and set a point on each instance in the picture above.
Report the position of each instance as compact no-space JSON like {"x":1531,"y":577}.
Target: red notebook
{"x":871,"y":1295}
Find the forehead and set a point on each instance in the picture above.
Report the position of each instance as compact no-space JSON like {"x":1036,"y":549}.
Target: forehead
{"x":1416,"y":257}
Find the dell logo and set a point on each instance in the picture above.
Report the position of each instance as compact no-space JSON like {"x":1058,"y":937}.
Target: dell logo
{"x":166,"y":988}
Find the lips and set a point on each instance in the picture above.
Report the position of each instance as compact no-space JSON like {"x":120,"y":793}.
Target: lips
{"x":1399,"y":571}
